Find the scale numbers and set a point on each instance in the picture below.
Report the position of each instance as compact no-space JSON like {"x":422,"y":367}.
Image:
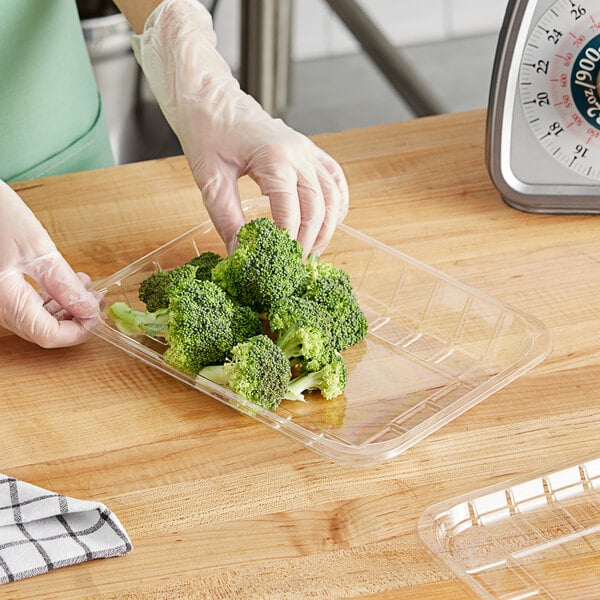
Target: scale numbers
{"x":559,"y":84}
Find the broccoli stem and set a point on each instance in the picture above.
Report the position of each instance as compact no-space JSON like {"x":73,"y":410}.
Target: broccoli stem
{"x":216,"y":374}
{"x":329,"y":380}
{"x":289,"y":344}
{"x":135,"y":322}
{"x":308,"y":381}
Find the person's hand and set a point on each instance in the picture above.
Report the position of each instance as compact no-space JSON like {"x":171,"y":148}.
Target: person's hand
{"x":225,"y":133}
{"x":26,"y":251}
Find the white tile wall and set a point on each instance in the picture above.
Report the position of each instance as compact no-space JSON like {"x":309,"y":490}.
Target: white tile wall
{"x":472,"y":17}
{"x":317,"y":32}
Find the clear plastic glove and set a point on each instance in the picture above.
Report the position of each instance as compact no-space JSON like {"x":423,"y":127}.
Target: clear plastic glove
{"x":225,"y":133}
{"x":45,"y":318}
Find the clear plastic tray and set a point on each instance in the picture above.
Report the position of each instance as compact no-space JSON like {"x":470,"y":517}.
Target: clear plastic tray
{"x":435,"y":347}
{"x":537,"y":537}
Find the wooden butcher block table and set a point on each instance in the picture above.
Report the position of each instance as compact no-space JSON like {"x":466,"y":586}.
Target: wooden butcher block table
{"x":218,"y":505}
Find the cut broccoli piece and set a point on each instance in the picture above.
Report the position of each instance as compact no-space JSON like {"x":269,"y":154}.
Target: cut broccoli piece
{"x":152,"y":291}
{"x":204,"y":264}
{"x":330,"y":380}
{"x":265,"y":267}
{"x":303,"y":329}
{"x":156,"y":290}
{"x":258,"y":371}
{"x":136,"y":322}
{"x":245,"y":323}
{"x":197,"y":325}
{"x":200,"y":326}
{"x":330,"y":286}
{"x":319,"y":269}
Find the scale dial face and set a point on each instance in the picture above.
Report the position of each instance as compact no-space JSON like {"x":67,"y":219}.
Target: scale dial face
{"x":559,"y":84}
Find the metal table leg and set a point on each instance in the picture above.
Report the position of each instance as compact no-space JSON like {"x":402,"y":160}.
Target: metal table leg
{"x":265,"y":52}
{"x":266,"y":47}
{"x":389,"y":60}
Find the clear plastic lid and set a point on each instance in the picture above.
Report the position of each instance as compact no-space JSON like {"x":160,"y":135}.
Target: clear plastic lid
{"x":535,"y":537}
{"x":435,"y":347}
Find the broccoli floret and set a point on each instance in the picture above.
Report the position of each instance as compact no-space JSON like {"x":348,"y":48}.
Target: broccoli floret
{"x":245,"y":323}
{"x":204,"y":264}
{"x":201,"y":326}
{"x":330,"y":286}
{"x":330,"y":380}
{"x":265,"y":267}
{"x":319,"y":269}
{"x":152,"y":291}
{"x":258,"y":371}
{"x":197,"y":325}
{"x":303,"y":329}
{"x":156,"y":290}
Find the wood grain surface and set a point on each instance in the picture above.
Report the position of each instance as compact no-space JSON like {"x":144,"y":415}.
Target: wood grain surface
{"x":220,"y":506}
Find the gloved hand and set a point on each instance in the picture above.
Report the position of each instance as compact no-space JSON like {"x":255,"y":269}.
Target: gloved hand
{"x":225,"y":133}
{"x":45,"y":318}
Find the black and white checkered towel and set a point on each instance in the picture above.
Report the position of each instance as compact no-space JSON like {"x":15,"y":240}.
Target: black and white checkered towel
{"x":41,"y":531}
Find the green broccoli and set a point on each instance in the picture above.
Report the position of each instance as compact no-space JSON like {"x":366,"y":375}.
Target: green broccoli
{"x":303,"y":329}
{"x":136,"y":322}
{"x":265,"y":267}
{"x":330,"y":286}
{"x":197,"y":325}
{"x":152,"y":291}
{"x":330,"y":380}
{"x":205,"y":263}
{"x":214,"y":313}
{"x":156,"y":290}
{"x":258,"y":371}
{"x":245,"y":323}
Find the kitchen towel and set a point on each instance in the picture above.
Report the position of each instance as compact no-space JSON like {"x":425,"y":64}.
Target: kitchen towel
{"x":41,"y":531}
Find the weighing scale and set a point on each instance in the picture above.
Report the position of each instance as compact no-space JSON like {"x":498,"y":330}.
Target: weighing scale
{"x":543,"y":127}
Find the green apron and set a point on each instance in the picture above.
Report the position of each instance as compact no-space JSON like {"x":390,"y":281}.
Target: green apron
{"x":51,"y":118}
